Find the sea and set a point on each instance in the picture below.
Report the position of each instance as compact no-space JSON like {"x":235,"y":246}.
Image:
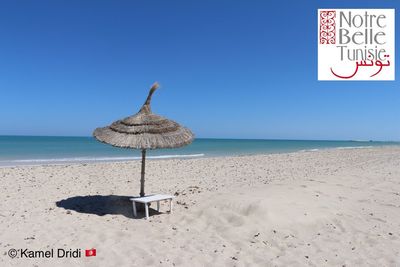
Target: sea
{"x":43,"y":150}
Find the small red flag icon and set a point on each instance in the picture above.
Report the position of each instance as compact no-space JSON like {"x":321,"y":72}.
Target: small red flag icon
{"x":90,"y":252}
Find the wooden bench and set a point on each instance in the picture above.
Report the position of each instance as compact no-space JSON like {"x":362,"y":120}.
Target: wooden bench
{"x":148,"y":199}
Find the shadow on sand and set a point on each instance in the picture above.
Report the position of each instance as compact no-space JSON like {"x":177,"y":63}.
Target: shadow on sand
{"x":102,"y":205}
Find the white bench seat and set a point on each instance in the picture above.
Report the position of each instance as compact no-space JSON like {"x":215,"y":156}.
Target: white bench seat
{"x":148,"y":199}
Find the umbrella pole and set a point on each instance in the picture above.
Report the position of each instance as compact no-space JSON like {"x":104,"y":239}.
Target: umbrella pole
{"x":142,"y":173}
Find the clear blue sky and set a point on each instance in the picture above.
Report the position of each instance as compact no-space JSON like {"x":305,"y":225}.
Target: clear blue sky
{"x":236,"y":69}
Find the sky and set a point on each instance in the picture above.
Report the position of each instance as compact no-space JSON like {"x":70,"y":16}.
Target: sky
{"x":227,"y":69}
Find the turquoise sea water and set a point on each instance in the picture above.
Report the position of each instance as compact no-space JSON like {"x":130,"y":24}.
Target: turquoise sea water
{"x":28,"y":150}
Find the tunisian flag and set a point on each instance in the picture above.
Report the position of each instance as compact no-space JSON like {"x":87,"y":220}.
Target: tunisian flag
{"x":90,"y":252}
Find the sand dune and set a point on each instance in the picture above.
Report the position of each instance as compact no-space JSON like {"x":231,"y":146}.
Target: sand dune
{"x":323,"y":208}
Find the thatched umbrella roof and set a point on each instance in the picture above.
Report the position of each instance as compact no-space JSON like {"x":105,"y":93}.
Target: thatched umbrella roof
{"x":145,"y":130}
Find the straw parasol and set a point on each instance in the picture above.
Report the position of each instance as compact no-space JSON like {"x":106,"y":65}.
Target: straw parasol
{"x":145,"y":130}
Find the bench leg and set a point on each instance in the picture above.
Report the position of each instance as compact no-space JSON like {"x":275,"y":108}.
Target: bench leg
{"x":170,"y":206}
{"x":134,"y":209}
{"x":147,"y":211}
{"x":158,"y":206}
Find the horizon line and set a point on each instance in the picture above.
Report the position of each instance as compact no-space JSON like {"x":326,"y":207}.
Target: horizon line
{"x":221,"y":138}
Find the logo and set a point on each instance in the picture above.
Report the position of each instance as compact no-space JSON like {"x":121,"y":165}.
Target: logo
{"x":50,"y":253}
{"x":356,"y":44}
{"x":90,"y":252}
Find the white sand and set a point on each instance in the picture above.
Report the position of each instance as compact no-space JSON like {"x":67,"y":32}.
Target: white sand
{"x":325,"y":208}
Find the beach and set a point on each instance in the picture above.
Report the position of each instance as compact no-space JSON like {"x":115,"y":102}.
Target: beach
{"x":331,"y":207}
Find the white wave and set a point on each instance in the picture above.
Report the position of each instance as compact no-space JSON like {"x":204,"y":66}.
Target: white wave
{"x":340,"y":147}
{"x":353,"y":147}
{"x":90,"y":159}
{"x":311,"y":150}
